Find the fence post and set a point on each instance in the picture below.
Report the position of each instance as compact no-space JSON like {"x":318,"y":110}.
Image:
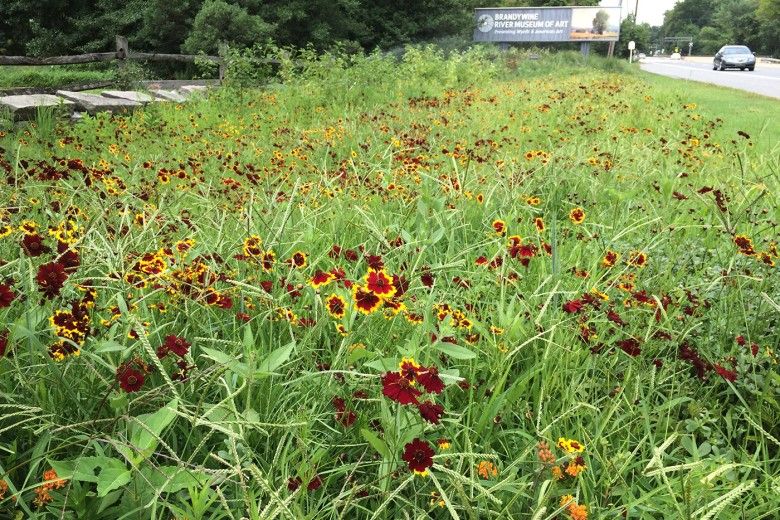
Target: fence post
{"x":122,"y":50}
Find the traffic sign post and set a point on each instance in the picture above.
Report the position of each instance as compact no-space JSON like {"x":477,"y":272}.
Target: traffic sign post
{"x":631,"y":47}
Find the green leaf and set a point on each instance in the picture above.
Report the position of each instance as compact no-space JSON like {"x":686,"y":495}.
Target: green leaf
{"x":81,"y":469}
{"x":108,"y":346}
{"x":145,"y":439}
{"x":111,"y":477}
{"x":455,"y":351}
{"x":383,"y":364}
{"x":228,"y":360}
{"x":171,"y":479}
{"x":249,"y":339}
{"x":275,"y":359}
{"x":377,"y":443}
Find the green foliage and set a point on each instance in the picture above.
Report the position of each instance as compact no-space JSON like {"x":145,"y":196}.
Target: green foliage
{"x":220,"y":23}
{"x":641,"y":34}
{"x":129,"y":75}
{"x":714,"y":23}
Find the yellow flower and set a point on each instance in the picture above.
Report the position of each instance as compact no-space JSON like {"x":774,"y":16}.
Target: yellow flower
{"x":570,"y":445}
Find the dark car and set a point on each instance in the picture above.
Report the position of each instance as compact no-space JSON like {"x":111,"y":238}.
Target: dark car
{"x":734,"y":57}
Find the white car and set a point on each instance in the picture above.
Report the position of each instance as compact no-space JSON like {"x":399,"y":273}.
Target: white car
{"x":676,"y":56}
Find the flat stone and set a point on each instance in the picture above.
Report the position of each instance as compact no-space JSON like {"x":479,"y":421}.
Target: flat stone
{"x":130,"y":95}
{"x":25,"y":108}
{"x":189,"y":90}
{"x":92,"y":104}
{"x":169,"y":95}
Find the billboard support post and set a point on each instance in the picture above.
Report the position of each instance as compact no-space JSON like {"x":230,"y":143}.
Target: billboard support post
{"x":585,"y":49}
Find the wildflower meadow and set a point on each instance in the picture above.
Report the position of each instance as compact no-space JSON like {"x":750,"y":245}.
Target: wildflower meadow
{"x":475,"y":286}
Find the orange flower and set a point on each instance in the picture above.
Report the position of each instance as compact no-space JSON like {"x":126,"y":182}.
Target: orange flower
{"x":575,"y":467}
{"x":487,"y":469}
{"x":539,"y":223}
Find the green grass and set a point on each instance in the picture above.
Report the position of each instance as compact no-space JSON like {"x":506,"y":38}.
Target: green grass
{"x":51,"y":76}
{"x":414,"y":163}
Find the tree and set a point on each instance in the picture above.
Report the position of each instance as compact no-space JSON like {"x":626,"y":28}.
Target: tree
{"x":600,"y":22}
{"x":165,"y":25}
{"x":769,"y":30}
{"x":638,"y":33}
{"x":219,"y":22}
{"x":686,"y":14}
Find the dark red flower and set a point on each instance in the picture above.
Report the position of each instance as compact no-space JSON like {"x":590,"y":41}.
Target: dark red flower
{"x":177,"y":345}
{"x":399,"y":389}
{"x":314,"y":484}
{"x":293,"y":483}
{"x":346,"y":417}
{"x":429,"y":378}
{"x":401,"y":285}
{"x":375,"y":262}
{"x":615,"y":318}
{"x":129,"y":377}
{"x":427,"y":279}
{"x":51,"y":277}
{"x":70,"y":260}
{"x":7,"y":295}
{"x":728,"y":375}
{"x":431,"y":411}
{"x":351,"y":255}
{"x":691,"y":355}
{"x":33,"y":245}
{"x":418,"y":454}
{"x":573,"y":306}
{"x":335,"y":251}
{"x":630,"y":346}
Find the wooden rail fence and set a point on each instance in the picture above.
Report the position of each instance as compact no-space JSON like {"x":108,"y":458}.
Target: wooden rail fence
{"x":122,"y":54}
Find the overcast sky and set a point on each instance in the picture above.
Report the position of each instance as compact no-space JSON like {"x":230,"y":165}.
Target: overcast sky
{"x":650,"y":11}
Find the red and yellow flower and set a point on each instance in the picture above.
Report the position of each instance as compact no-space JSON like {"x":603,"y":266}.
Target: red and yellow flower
{"x":336,"y":306}
{"x":577,"y":216}
{"x":365,"y":300}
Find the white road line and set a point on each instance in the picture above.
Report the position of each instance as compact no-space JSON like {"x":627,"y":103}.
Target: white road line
{"x":711,"y":71}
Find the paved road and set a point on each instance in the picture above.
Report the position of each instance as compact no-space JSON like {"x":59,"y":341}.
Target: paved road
{"x":764,"y":80}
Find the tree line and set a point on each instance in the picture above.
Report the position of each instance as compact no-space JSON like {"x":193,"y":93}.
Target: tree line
{"x":51,"y":27}
{"x":714,"y":23}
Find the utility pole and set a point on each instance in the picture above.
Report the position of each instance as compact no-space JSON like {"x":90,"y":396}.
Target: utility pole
{"x":636,"y":11}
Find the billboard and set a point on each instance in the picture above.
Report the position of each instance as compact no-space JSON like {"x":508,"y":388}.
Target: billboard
{"x":547,"y":24}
